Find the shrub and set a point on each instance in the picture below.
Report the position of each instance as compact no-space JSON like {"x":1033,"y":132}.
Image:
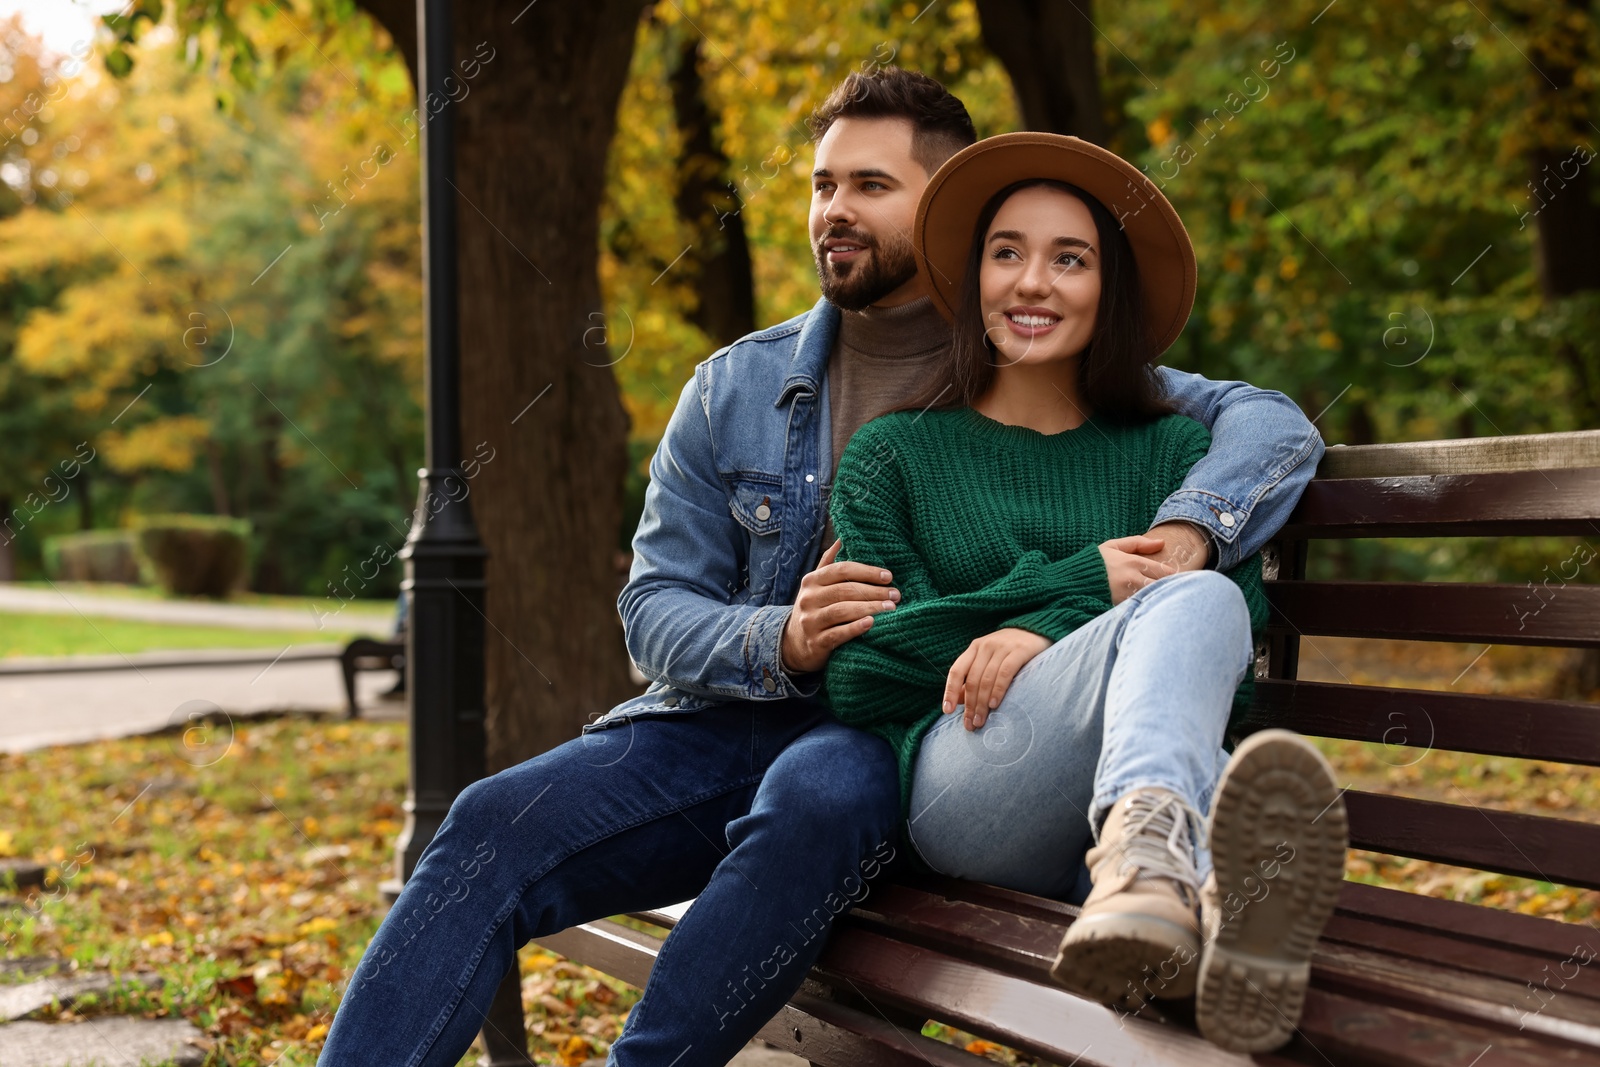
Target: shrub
{"x":194,"y":555}
{"x":92,"y":556}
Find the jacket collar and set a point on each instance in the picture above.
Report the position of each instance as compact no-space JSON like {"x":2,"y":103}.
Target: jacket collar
{"x":811,"y":351}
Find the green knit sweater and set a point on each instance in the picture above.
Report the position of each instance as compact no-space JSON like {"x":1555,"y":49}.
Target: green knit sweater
{"x":984,"y":526}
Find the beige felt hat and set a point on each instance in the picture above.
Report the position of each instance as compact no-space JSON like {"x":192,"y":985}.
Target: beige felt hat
{"x":942,"y":234}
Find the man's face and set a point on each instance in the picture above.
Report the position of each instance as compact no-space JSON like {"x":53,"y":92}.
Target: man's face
{"x":864,"y":193}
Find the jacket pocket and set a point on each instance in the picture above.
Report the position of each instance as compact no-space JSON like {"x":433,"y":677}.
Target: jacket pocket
{"x":757,"y":505}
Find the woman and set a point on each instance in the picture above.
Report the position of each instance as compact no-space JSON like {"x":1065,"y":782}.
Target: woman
{"x":1058,"y":699}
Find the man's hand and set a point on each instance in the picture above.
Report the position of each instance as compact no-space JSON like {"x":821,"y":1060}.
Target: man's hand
{"x":1131,"y":564}
{"x":1187,"y":546}
{"x":836,"y":602}
{"x":981,"y":675}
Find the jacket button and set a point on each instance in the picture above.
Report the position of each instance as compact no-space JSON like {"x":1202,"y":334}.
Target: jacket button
{"x":763,"y":513}
{"x":671,"y":702}
{"x":1226,"y":518}
{"x":769,"y":684}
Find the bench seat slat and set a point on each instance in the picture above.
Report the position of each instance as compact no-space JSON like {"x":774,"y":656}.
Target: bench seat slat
{"x":1350,"y":1030}
{"x":828,"y":1034}
{"x":1451,"y":505}
{"x":1384,"y":971}
{"x":1498,"y":613}
{"x":1407,"y":925}
{"x":1551,"y":730}
{"x":1530,"y":846}
{"x":1025,"y":947}
{"x":1485,"y":975}
{"x":1042,"y":1020}
{"x":1470,"y":924}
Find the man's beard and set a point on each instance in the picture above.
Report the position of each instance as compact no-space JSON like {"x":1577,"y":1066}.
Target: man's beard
{"x":867,"y":279}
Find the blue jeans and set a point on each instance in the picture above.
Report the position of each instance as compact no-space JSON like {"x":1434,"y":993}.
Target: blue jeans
{"x":774,"y":815}
{"x":1138,"y":697}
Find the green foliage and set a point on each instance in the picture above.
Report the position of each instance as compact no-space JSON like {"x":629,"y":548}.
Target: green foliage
{"x":1341,"y":178}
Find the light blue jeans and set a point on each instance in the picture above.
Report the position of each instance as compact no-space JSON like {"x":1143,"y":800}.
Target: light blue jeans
{"x":1139,"y":697}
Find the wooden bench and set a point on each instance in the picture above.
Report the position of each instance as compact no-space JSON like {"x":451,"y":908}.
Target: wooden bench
{"x":367,"y":654}
{"x":1398,"y":978}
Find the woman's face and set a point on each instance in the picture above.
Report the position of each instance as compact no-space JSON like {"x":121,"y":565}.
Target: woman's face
{"x":1039,"y":278}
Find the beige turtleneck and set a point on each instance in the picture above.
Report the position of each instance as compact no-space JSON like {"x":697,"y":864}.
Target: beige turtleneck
{"x":880,"y":358}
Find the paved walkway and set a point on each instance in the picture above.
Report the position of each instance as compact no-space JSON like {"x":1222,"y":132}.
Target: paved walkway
{"x":64,"y":708}
{"x":60,"y":601}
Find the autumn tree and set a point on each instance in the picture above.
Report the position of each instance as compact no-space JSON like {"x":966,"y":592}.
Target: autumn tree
{"x":230,"y":330}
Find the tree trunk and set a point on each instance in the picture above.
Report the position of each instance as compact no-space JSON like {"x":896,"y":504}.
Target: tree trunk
{"x":8,"y":544}
{"x":709,"y":202}
{"x":269,"y":564}
{"x":219,"y":481}
{"x":532,"y":134}
{"x":1562,"y":198}
{"x":85,"y":501}
{"x":1047,"y":48}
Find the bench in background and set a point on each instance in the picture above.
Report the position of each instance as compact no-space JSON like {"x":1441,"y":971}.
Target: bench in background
{"x":366,"y":654}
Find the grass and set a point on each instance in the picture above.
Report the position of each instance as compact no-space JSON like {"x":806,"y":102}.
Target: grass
{"x":205,"y":874}
{"x":27,"y":634}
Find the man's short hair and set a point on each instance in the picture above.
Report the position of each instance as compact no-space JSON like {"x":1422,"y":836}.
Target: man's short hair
{"x":940,"y":125}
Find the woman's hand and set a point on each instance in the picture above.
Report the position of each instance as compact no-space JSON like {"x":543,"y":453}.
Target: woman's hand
{"x":980,"y":675}
{"x":1129,"y":567}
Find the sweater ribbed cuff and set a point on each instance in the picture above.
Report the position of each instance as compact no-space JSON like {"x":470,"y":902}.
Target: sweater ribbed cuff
{"x":1082,"y":574}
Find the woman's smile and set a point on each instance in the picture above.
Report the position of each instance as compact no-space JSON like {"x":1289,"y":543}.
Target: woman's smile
{"x":1031,"y":321}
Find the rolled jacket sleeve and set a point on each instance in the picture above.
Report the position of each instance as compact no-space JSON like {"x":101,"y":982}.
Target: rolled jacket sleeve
{"x":1264,"y":452}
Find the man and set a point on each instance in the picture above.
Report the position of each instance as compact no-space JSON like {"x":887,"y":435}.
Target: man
{"x":727,"y":781}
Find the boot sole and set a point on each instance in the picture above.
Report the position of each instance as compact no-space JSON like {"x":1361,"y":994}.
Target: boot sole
{"x":1126,"y":959}
{"x":1279,"y":793}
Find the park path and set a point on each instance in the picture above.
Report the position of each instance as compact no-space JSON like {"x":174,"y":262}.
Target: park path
{"x":64,"y":707}
{"x":73,"y":699}
{"x":60,"y":601}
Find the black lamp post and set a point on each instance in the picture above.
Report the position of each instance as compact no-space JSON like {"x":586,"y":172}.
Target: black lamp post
{"x":444,"y":556}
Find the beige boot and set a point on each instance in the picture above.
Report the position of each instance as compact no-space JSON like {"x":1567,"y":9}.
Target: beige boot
{"x":1139,"y":932}
{"x":1278,"y":840}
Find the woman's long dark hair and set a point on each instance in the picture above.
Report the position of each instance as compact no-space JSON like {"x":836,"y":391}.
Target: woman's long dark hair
{"x":1117,"y":376}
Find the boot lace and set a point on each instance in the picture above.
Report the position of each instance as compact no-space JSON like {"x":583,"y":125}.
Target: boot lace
{"x":1159,"y":834}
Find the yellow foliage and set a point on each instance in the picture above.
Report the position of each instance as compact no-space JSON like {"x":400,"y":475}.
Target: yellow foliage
{"x":164,"y":444}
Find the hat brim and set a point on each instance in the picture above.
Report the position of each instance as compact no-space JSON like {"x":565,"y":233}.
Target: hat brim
{"x":942,"y":234}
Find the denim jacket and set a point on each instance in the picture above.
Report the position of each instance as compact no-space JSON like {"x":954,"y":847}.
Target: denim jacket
{"x":738,"y":494}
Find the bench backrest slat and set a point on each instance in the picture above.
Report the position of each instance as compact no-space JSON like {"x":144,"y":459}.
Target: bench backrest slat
{"x":1471,"y":455}
{"x":1453,"y":505}
{"x":1409,"y":722}
{"x":1565,"y":615}
{"x":1532,"y":846}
